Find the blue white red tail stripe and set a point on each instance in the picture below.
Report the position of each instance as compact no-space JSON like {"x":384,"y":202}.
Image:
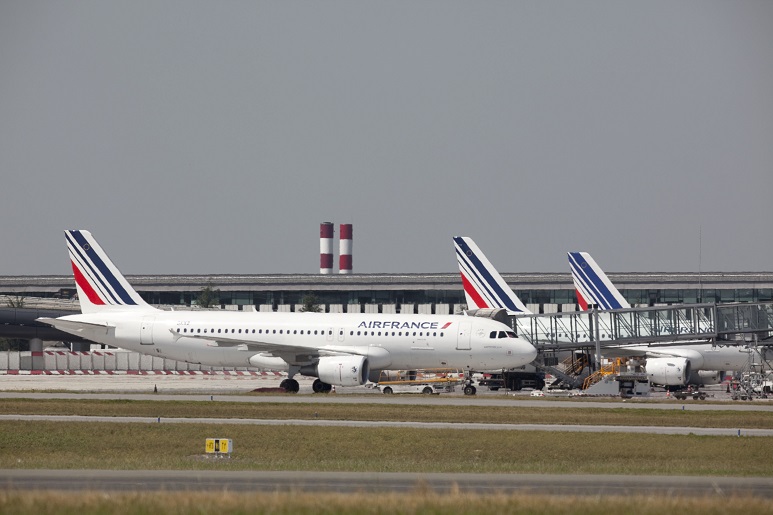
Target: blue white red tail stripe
{"x":483,"y":286}
{"x":592,"y":284}
{"x":99,"y":282}
{"x":91,"y":269}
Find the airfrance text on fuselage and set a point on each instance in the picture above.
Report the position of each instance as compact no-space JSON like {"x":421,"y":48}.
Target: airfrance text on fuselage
{"x":377,"y":324}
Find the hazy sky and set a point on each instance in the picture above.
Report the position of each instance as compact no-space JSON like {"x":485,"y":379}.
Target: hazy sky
{"x":213,"y":137}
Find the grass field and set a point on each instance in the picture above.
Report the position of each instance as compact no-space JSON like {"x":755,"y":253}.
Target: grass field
{"x":419,"y":502}
{"x":76,"y":445}
{"x":79,"y":445}
{"x":408,"y":413}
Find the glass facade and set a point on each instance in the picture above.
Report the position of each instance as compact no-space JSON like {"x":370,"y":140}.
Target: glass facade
{"x":637,"y":297}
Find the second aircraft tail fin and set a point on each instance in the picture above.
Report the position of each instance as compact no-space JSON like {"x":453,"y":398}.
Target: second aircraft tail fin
{"x":483,"y":286}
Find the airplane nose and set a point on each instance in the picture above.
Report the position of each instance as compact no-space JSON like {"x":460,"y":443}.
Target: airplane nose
{"x":526,"y":350}
{"x":532,"y":352}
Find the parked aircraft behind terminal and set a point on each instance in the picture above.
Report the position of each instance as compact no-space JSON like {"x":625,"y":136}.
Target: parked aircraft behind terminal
{"x":341,"y":349}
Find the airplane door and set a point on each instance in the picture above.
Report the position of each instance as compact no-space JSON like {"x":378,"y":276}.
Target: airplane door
{"x":146,"y":330}
{"x":340,"y":334}
{"x":463,"y":336}
{"x":330,"y":334}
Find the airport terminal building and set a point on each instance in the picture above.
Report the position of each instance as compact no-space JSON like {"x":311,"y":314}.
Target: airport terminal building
{"x":408,"y":293}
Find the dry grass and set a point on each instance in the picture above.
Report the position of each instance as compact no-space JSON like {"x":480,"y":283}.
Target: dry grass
{"x":16,"y":503}
{"x":410,"y":413}
{"x":75,"y":445}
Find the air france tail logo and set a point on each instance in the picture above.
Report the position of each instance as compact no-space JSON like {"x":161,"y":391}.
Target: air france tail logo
{"x":93,"y":275}
{"x":483,"y":286}
{"x":592,"y":284}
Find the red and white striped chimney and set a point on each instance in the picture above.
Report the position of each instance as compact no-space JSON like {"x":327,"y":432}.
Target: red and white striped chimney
{"x":345,"y":249}
{"x":326,"y":248}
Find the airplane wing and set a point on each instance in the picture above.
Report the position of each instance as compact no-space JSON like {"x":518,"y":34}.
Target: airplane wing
{"x":291,"y":353}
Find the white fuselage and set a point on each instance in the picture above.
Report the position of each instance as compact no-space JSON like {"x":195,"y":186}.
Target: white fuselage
{"x":388,"y":341}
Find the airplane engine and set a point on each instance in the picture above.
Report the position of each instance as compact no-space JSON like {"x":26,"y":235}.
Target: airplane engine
{"x":339,"y":370}
{"x":669,"y":371}
{"x":706,"y":377}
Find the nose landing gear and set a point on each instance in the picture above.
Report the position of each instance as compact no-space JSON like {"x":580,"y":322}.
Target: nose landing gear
{"x":469,"y":386}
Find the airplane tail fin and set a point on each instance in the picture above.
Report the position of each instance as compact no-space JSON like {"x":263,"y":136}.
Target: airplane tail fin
{"x":592,"y":284}
{"x":101,"y":287}
{"x":483,"y":286}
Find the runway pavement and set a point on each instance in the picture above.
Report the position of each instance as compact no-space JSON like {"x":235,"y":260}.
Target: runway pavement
{"x":466,"y":426}
{"x":365,"y":396}
{"x":345,"y":482}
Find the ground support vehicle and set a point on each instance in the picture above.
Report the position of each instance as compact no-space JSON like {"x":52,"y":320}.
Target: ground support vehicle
{"x":513,"y":380}
{"x":427,"y":382}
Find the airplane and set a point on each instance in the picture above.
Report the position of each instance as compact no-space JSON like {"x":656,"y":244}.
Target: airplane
{"x":339,"y":349}
{"x":668,"y":364}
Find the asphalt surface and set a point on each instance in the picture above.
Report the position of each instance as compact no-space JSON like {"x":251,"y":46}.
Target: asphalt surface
{"x":347,"y":482}
{"x":466,"y":426}
{"x":412,"y":400}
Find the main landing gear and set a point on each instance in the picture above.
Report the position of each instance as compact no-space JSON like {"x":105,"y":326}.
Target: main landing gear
{"x":290,"y":385}
{"x":320,"y":387}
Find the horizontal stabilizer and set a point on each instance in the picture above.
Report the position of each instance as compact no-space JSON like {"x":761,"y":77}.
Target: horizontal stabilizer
{"x":73,"y":326}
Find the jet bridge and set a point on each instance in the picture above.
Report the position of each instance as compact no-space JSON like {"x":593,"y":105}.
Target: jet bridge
{"x":684,"y":322}
{"x":696,"y":323}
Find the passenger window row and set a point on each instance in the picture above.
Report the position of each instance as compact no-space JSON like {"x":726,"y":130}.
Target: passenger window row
{"x":186,"y":330}
{"x":253,"y":331}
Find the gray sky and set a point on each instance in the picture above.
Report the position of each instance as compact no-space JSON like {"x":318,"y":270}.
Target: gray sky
{"x":213,"y":137}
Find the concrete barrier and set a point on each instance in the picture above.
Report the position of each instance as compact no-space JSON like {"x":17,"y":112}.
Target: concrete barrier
{"x":102,"y":361}
{"x":110,"y":361}
{"x":122,"y":361}
{"x":425,"y":309}
{"x":97,"y":361}
{"x":25,"y":361}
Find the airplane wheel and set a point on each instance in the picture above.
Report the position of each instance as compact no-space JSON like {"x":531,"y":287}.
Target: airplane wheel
{"x":469,"y":390}
{"x":388,"y":391}
{"x":320,"y":387}
{"x":290,"y":385}
{"x":427,"y":390}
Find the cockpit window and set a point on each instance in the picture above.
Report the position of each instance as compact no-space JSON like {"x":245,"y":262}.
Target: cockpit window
{"x":511,"y":334}
{"x":493,"y":334}
{"x":502,"y":334}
